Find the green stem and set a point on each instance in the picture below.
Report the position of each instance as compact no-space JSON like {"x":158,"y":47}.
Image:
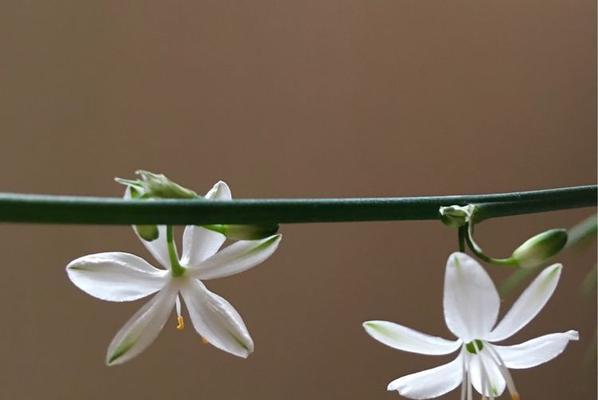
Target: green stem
{"x":24,"y":208}
{"x":462,"y":238}
{"x":175,"y":266}
{"x":477,"y":250}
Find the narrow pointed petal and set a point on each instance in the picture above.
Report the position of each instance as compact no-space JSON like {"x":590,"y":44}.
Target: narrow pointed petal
{"x":199,"y":244}
{"x":216,"y":320}
{"x":471,"y":301}
{"x":142,"y":329}
{"x":430,"y":383}
{"x":536,"y":351}
{"x":115,"y":276}
{"x":238,"y":257}
{"x":495,"y":382}
{"x":406,"y":339}
{"x":529,"y":304}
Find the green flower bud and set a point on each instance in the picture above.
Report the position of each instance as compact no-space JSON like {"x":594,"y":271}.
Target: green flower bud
{"x":156,"y":186}
{"x":540,"y":248}
{"x":244,"y":232}
{"x":147,"y":232}
{"x":159,"y":186}
{"x":456,"y":216}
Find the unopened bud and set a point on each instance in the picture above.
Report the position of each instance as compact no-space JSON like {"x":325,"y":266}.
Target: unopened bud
{"x":244,"y":232}
{"x":153,"y":186}
{"x":147,"y":232}
{"x":159,"y":186}
{"x":156,"y":186}
{"x":540,"y":248}
{"x":456,"y":216}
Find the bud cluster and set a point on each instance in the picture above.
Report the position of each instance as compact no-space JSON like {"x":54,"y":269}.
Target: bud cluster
{"x":157,"y":186}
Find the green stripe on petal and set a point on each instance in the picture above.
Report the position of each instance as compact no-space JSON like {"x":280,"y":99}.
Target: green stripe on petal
{"x":236,"y":258}
{"x":142,"y":329}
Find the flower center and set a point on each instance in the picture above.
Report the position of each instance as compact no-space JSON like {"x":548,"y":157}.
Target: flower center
{"x":475,"y":346}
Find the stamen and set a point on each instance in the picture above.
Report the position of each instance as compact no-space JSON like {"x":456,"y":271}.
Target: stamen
{"x":204,"y":340}
{"x":179,"y":319}
{"x":180,"y":323}
{"x":505,"y":372}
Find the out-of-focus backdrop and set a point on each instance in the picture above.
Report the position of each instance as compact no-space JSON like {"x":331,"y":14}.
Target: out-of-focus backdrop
{"x":289,"y":99}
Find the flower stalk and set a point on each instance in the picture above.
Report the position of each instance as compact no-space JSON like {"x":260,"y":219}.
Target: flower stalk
{"x":477,"y":250}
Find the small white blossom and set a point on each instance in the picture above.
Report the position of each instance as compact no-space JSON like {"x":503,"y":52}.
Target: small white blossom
{"x":471,"y":305}
{"x":120,"y":277}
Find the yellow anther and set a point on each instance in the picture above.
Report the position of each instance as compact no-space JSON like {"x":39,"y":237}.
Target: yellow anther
{"x":515,"y":396}
{"x":204,"y":340}
{"x":180,"y":323}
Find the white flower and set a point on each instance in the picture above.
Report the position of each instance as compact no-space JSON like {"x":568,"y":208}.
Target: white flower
{"x":125,"y":277}
{"x":471,"y":305}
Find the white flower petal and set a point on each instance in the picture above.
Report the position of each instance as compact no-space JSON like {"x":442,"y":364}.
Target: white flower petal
{"x":495,"y":383}
{"x":471,"y":301}
{"x":536,"y":351}
{"x":115,"y":276}
{"x":430,"y":383}
{"x":142,"y":329}
{"x":236,"y":258}
{"x":406,"y":339}
{"x":529,"y":304}
{"x":216,"y":320}
{"x":199,"y":244}
{"x":220,"y":191}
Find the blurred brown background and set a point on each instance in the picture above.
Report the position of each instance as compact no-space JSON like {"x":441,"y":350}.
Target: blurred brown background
{"x":289,"y":99}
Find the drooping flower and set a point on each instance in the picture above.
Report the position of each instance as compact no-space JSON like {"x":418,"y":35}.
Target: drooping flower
{"x":471,"y":305}
{"x":117,"y":276}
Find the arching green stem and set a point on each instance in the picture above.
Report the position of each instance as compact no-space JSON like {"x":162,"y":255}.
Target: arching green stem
{"x":462,"y":237}
{"x":477,"y":250}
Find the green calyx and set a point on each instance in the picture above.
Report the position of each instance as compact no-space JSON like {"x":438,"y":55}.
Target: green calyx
{"x":475,"y":346}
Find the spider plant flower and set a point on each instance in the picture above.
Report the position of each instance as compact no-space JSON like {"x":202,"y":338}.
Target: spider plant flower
{"x":471,"y":305}
{"x":117,"y":276}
